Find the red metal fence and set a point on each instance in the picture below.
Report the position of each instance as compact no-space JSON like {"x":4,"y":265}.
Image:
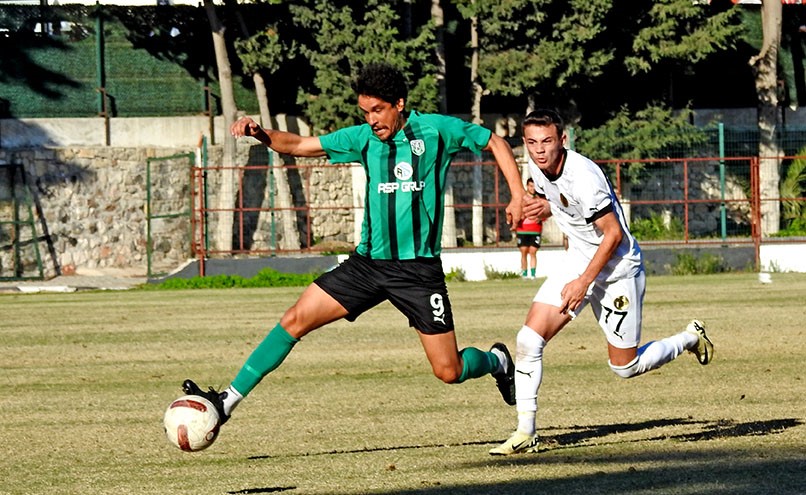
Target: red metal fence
{"x":670,"y":202}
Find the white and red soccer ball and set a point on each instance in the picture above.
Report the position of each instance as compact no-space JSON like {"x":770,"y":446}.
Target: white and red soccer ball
{"x":191,"y":423}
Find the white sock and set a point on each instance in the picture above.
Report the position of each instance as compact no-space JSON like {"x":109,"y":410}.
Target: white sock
{"x":690,"y":340}
{"x":502,"y":362}
{"x":528,"y":376}
{"x":655,"y":354}
{"x":232,"y":400}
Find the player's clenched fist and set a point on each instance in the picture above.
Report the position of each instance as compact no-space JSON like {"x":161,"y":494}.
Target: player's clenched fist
{"x":536,"y":208}
{"x":245,"y":126}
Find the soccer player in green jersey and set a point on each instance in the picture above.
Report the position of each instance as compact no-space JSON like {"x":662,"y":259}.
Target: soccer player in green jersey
{"x":406,"y":156}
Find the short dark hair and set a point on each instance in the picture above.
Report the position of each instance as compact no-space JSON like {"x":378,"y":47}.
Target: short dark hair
{"x":544,"y":117}
{"x":529,"y":180}
{"x":381,"y":80}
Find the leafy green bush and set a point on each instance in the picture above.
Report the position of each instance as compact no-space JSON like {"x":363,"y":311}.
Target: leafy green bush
{"x":653,"y":132}
{"x":796,"y":228}
{"x":493,"y":274}
{"x":456,"y":275}
{"x":793,"y":185}
{"x":266,"y":277}
{"x":655,"y":228}
{"x":688,"y":264}
{"x":793,"y":212}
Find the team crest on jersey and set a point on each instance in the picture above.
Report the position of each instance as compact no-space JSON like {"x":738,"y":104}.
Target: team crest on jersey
{"x":621,"y":302}
{"x":563,"y":200}
{"x":403,"y":171}
{"x":418,"y":147}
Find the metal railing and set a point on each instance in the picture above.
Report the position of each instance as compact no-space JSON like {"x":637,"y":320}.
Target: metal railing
{"x":715,"y":201}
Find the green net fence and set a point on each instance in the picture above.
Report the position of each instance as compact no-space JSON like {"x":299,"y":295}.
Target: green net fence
{"x":151,"y":61}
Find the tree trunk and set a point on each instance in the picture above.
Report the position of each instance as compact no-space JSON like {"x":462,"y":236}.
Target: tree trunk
{"x":531,"y":106}
{"x":765,"y":67}
{"x":289,"y":234}
{"x":478,"y":211}
{"x":226,"y":196}
{"x":449,"y":223}
{"x":438,"y":17}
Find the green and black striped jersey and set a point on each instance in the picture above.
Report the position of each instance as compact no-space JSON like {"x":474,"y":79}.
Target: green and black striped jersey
{"x":405,"y":180}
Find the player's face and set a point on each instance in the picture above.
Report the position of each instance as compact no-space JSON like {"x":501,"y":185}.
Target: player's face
{"x":545,"y":146}
{"x":385,"y":118}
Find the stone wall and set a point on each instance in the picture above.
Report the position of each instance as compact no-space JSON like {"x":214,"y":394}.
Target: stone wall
{"x":671,"y":183}
{"x":89,"y":208}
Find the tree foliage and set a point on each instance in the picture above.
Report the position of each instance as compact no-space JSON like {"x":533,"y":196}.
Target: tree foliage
{"x":564,"y":54}
{"x":561,"y":54}
{"x":792,"y":186}
{"x":347,"y":36}
{"x":590,"y":59}
{"x":680,"y":31}
{"x":647,"y":133}
{"x":529,"y":45}
{"x":266,"y":50}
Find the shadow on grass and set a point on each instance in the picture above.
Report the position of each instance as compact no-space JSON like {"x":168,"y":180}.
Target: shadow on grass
{"x":716,"y":471}
{"x":276,"y":489}
{"x":709,"y":430}
{"x":713,"y":473}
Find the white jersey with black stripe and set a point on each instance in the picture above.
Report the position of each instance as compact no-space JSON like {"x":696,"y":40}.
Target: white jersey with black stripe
{"x":577,"y":197}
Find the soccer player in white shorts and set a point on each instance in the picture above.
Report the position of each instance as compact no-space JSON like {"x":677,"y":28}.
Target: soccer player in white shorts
{"x":603,"y":268}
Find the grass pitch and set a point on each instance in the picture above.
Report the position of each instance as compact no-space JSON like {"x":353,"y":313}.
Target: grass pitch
{"x":87,"y":376}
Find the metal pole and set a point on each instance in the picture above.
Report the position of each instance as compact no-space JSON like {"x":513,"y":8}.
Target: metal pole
{"x":571,"y":138}
{"x":271,"y":201}
{"x":149,"y":249}
{"x":100,"y":72}
{"x":191,"y":164}
{"x":204,"y":196}
{"x":29,"y":202}
{"x":99,"y":56}
{"x":723,"y":213}
{"x":16,"y":241}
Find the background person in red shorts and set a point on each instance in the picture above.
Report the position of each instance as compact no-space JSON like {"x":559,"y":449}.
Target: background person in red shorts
{"x":528,"y":233}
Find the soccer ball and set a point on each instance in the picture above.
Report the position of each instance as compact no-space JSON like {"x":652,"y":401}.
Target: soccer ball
{"x":191,"y":423}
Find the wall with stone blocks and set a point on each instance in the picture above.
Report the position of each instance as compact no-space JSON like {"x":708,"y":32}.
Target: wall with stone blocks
{"x":89,"y":208}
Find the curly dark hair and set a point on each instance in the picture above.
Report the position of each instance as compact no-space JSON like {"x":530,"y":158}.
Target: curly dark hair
{"x":381,"y":80}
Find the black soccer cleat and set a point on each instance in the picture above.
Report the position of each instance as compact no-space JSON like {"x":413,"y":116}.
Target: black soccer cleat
{"x":217,"y":398}
{"x":506,"y":380}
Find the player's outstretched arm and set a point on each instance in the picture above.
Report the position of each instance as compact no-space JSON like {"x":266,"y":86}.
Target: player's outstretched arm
{"x":506,"y":162}
{"x":282,"y":142}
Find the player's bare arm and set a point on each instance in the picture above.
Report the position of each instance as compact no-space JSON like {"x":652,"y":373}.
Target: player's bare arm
{"x":506,"y":162}
{"x":575,"y":291}
{"x":282,"y":142}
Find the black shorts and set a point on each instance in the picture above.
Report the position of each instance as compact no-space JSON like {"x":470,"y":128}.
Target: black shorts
{"x":415,"y":287}
{"x":530,"y":240}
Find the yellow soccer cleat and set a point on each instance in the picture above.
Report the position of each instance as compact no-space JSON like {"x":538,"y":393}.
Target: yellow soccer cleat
{"x":516,"y":444}
{"x":704,"y":350}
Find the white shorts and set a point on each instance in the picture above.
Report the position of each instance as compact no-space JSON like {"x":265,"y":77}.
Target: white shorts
{"x":616,"y":305}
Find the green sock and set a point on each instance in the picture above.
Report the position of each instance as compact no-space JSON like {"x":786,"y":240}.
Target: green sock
{"x":264,"y":359}
{"x":533,"y":270}
{"x":476,"y":363}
